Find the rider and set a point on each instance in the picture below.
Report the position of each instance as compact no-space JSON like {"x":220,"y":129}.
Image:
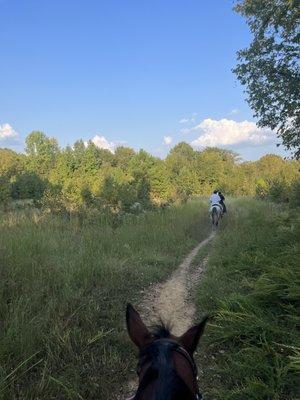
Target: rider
{"x":215,"y":198}
{"x":222,"y":198}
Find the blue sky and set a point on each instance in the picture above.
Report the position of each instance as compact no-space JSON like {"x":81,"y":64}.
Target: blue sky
{"x":147,"y":74}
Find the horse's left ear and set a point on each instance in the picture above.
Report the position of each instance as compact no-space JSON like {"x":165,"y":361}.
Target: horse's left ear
{"x":136,"y":328}
{"x":190,"y":339}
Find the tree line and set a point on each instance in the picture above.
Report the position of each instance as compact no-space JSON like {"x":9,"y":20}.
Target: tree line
{"x":83,"y":176}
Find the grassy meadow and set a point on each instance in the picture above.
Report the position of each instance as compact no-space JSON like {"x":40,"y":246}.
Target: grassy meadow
{"x":64,"y":285}
{"x":251,"y":286}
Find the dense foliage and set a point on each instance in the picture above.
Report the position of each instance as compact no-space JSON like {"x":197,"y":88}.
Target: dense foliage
{"x":269,"y":67}
{"x":251,"y":286}
{"x":84,"y":176}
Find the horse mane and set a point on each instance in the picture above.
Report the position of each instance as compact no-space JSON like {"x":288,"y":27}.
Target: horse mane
{"x":161,"y":331}
{"x":169,"y":385}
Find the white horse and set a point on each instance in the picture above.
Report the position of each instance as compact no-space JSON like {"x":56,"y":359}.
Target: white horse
{"x":216,"y":213}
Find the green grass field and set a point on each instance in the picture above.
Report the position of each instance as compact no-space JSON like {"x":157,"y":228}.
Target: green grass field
{"x":251,"y":286}
{"x":64,"y":285}
{"x":63,"y":290}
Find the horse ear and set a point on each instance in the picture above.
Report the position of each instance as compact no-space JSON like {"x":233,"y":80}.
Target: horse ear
{"x":137,"y":330}
{"x":190,"y":339}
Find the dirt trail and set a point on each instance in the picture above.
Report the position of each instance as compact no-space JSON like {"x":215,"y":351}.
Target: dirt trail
{"x":171,"y":301}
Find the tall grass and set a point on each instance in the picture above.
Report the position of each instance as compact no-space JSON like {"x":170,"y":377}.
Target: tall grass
{"x":252,"y":287}
{"x":63,"y":289}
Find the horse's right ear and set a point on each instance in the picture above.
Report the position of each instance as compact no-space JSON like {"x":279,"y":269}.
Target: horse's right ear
{"x":136,"y":328}
{"x":189,"y":340}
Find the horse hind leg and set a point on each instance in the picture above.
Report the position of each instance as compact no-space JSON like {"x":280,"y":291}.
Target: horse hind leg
{"x":214,"y":217}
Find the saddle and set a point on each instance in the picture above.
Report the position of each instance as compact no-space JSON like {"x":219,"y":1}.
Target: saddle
{"x":216,"y":205}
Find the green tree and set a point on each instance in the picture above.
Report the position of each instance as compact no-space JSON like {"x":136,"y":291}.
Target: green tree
{"x":214,"y":169}
{"x":160,"y":183}
{"x":123,"y":156}
{"x":182,"y":167}
{"x":28,"y":185}
{"x":269,"y":68}
{"x":89,"y":157}
{"x":141,"y":162}
{"x":41,"y":151}
{"x":262,"y":189}
{"x":11,"y":163}
{"x":295,"y":194}
{"x":118,"y":196}
{"x":53,"y":199}
{"x":5,"y":190}
{"x":279,"y":192}
{"x":271,"y":167}
{"x":65,"y":167}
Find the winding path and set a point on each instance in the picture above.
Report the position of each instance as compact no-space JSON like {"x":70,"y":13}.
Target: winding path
{"x":171,"y":300}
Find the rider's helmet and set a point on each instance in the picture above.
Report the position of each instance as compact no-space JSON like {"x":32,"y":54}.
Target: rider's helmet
{"x":216,"y":191}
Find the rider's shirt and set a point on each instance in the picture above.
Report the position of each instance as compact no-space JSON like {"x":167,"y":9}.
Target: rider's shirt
{"x":215,"y":198}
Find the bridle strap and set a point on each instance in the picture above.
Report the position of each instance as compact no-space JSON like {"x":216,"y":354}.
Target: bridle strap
{"x":186,"y":355}
{"x":192,"y":363}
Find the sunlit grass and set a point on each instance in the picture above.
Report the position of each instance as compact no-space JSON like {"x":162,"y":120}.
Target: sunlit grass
{"x":251,"y":286}
{"x":63,"y":289}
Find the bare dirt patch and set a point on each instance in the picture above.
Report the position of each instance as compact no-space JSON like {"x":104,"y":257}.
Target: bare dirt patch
{"x":170,"y":301}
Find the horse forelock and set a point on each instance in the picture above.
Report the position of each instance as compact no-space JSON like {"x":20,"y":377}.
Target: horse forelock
{"x":161,"y":331}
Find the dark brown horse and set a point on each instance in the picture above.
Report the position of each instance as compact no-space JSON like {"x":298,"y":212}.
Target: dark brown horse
{"x":166,"y":368}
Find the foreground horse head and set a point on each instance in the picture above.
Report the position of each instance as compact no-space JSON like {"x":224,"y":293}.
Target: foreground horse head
{"x":166,"y":368}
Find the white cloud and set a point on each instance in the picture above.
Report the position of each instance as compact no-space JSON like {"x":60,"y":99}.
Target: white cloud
{"x":103,"y":143}
{"x":183,"y":120}
{"x":8,"y":135}
{"x":234,"y":111}
{"x":168,"y":140}
{"x":229,"y":132}
{"x":186,"y":131}
{"x":188,"y":120}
